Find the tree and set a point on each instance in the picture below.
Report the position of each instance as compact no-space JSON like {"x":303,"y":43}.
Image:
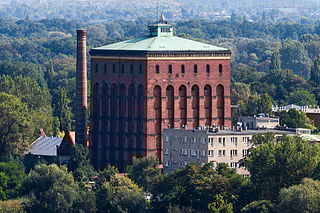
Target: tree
{"x":315,"y":71}
{"x":266,"y":104}
{"x":301,"y":98}
{"x":295,"y":57}
{"x":295,"y":119}
{"x":240,"y":92}
{"x":194,"y":187}
{"x":275,"y":61}
{"x":16,"y":129}
{"x":145,"y":172}
{"x":273,"y":165}
{"x":10,"y":180}
{"x":52,"y":189}
{"x":79,"y":163}
{"x":105,"y":176}
{"x":260,"y":206}
{"x":61,"y":109}
{"x":120,"y":195}
{"x":220,"y":205}
{"x":300,"y":198}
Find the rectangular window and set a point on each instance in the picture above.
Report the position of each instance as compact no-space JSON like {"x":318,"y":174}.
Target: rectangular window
{"x":105,"y":68}
{"x":244,"y":152}
{"x":222,"y":153}
{"x":193,"y":152}
{"x":211,"y":153}
{"x":224,"y":142}
{"x":234,"y":140}
{"x":166,"y":151}
{"x":166,"y":163}
{"x":166,"y":138}
{"x":185,"y":139}
{"x":113,"y":68}
{"x":203,"y":153}
{"x":233,"y":152}
{"x":233,"y":165}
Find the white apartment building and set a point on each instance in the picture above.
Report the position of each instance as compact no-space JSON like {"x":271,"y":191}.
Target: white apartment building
{"x":182,"y":146}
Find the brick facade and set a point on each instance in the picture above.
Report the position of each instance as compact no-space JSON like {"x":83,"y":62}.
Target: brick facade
{"x":132,"y":103}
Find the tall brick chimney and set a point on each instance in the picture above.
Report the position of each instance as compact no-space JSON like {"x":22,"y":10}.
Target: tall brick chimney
{"x":81,"y":88}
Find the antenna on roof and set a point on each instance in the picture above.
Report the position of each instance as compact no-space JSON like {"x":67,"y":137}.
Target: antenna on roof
{"x":157,"y":10}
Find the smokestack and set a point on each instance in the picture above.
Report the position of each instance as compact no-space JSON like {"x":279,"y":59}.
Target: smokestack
{"x":81,"y":88}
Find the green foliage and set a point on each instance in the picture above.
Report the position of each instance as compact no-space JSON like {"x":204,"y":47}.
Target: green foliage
{"x":220,"y":205}
{"x":294,"y":119}
{"x":260,"y":206}
{"x":295,"y":57}
{"x":275,"y":61}
{"x":16,"y":128}
{"x":37,"y":100}
{"x":256,"y":104}
{"x":105,"y":176}
{"x":62,"y":110}
{"x":194,"y":187}
{"x":121,"y":195}
{"x":79,"y":163}
{"x":145,"y":172}
{"x":55,"y":190}
{"x":301,"y":98}
{"x":276,"y":165}
{"x":315,"y":71}
{"x":240,"y":92}
{"x":300,"y":198}
{"x":11,"y":178}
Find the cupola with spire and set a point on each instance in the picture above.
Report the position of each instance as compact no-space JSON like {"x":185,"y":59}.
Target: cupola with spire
{"x":162,"y":28}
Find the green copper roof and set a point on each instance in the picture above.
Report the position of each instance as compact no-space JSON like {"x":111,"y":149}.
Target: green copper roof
{"x":160,"y":38}
{"x":161,"y":43}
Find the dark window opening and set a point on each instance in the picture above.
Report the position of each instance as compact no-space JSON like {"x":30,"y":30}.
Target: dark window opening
{"x":170,"y":69}
{"x":208,"y":69}
{"x":122,"y":68}
{"x":195,"y":69}
{"x":220,"y":69}
{"x":157,"y":69}
{"x":182,"y":69}
{"x":114,"y":68}
{"x":131,"y":69}
{"x":97,"y":68}
{"x":105,"y":68}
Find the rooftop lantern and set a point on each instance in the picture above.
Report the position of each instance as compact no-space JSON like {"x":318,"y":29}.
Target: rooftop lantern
{"x":162,"y":28}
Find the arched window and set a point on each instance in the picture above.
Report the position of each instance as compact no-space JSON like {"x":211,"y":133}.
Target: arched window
{"x":182,"y":69}
{"x":113,"y":68}
{"x":157,"y":69}
{"x":131,"y":68}
{"x":195,"y":69}
{"x":140,"y":69}
{"x":105,"y":68}
{"x":122,"y":68}
{"x":208,"y":69}
{"x":170,"y":69}
{"x":220,"y":69}
{"x":97,"y":68}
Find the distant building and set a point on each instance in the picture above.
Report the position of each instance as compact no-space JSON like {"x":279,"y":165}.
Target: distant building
{"x":51,"y":148}
{"x":259,"y":122}
{"x":182,"y":146}
{"x":144,"y":85}
{"x":312,"y":112}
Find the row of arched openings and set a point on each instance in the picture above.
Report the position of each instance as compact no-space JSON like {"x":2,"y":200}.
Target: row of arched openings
{"x":118,"y":121}
{"x":183,"y":107}
{"x":195,"y":69}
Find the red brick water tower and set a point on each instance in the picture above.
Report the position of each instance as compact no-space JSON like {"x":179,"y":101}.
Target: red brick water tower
{"x":143,"y":85}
